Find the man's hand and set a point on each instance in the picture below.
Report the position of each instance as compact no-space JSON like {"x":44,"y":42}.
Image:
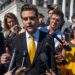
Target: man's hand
{"x":5,"y":58}
{"x":50,"y":73}
{"x":8,"y":73}
{"x":59,"y":57}
{"x":20,"y":71}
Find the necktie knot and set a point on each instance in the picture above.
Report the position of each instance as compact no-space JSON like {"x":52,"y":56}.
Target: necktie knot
{"x":31,"y":37}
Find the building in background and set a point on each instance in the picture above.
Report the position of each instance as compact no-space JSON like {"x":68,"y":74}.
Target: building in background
{"x":67,"y":6}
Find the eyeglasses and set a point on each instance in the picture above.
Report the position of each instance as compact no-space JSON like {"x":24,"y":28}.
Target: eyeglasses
{"x":31,"y":18}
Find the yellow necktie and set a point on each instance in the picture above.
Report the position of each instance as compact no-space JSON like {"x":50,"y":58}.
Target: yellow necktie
{"x":31,"y":48}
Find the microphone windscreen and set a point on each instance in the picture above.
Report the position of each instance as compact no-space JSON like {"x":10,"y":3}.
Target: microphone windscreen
{"x":43,"y":57}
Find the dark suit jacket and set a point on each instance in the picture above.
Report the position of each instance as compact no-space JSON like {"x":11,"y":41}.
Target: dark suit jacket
{"x":1,"y":43}
{"x":20,"y":43}
{"x":67,"y":33}
{"x":68,"y":29}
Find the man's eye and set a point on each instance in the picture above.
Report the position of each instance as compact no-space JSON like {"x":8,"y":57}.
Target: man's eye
{"x":25,"y":19}
{"x":31,"y":18}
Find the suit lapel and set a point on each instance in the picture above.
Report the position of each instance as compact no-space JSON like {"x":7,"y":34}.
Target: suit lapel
{"x":25,"y":48}
{"x":41,"y":37}
{"x":24,"y":45}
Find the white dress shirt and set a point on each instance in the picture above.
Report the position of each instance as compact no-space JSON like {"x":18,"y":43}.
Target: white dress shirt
{"x":36,"y":38}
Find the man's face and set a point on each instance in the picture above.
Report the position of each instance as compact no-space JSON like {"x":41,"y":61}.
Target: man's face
{"x":50,"y":13}
{"x":30,"y":21}
{"x":55,"y":21}
{"x":73,"y":21}
{"x":41,"y":20}
{"x":74,"y":33}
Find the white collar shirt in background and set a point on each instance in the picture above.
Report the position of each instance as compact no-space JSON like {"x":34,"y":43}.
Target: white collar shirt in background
{"x":57,"y":31}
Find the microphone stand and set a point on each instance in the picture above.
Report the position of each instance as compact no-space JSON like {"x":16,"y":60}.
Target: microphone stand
{"x":13,"y":58}
{"x":23,"y":60}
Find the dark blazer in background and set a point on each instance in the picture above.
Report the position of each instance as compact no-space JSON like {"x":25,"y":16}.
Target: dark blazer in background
{"x":2,"y":68}
{"x":67,"y":33}
{"x":1,"y":43}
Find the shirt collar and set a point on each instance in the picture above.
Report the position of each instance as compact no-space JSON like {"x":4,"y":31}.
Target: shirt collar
{"x":36,"y":34}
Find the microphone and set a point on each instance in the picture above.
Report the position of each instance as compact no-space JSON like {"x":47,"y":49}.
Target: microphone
{"x":23,"y":60}
{"x":67,"y":47}
{"x":13,"y":58}
{"x":43,"y":58}
{"x":47,"y":45}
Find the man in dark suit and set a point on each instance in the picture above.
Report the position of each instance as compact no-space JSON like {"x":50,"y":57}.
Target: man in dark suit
{"x":31,"y":39}
{"x":29,"y":15}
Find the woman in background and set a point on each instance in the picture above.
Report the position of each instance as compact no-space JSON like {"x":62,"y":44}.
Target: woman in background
{"x":69,"y":68}
{"x":10,"y":20}
{"x":11,"y":29}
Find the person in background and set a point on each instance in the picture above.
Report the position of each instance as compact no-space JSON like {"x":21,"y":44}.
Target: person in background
{"x":10,"y":20}
{"x":55,"y":6}
{"x":11,"y":29}
{"x":55,"y":21}
{"x":50,"y":11}
{"x":69,"y":68}
{"x":41,"y":20}
{"x":68,"y":30}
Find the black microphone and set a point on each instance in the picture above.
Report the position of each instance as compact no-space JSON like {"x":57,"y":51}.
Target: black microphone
{"x":23,"y":59}
{"x":13,"y":58}
{"x":47,"y":45}
{"x":67,"y":47}
{"x":44,"y":59}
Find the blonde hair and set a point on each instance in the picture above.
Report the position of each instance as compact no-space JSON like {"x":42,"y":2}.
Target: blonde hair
{"x":12,"y":16}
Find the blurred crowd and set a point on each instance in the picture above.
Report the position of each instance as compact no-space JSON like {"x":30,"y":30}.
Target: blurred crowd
{"x":51,"y":51}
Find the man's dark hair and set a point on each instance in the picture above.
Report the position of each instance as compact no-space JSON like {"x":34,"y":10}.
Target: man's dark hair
{"x":72,"y":33}
{"x":59,"y":13}
{"x":40,"y":15}
{"x":29,"y":7}
{"x":73,"y":16}
{"x":51,"y":8}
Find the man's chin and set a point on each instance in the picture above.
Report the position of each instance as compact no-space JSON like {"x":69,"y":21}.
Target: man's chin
{"x":31,"y":31}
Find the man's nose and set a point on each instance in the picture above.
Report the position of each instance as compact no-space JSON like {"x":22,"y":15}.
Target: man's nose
{"x":55,"y":21}
{"x":11,"y":23}
{"x":29,"y":20}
